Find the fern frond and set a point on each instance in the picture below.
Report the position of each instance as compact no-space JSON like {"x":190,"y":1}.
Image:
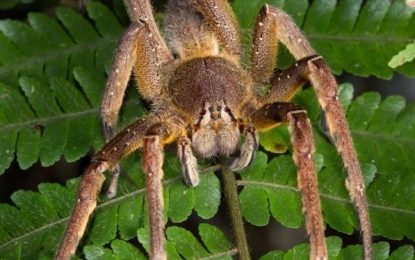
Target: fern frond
{"x":359,"y":37}
{"x":46,"y":47}
{"x":381,"y":250}
{"x":9,"y":4}
{"x":46,"y":122}
{"x":34,"y":227}
{"x":39,"y":56}
{"x":269,"y":187}
{"x":43,"y":121}
{"x":383,"y":133}
{"x":181,"y":242}
{"x":347,"y":34}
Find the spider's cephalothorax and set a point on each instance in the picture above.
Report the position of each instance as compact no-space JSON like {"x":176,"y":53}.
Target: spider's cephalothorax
{"x":210,"y":92}
{"x":208,"y":102}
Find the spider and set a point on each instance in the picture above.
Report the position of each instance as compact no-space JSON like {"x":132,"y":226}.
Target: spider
{"x":206,"y":100}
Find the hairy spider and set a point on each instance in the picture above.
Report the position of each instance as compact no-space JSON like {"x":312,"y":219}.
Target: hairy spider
{"x":206,"y":100}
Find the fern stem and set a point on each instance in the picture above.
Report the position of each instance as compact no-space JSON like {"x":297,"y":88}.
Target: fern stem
{"x":231,"y":195}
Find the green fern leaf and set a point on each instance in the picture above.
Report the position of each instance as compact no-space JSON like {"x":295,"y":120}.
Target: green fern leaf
{"x":47,"y":120}
{"x":383,"y":133}
{"x":381,"y":250}
{"x":60,"y":110}
{"x":269,"y":188}
{"x":45,"y":48}
{"x":44,"y":214}
{"x":404,"y":56}
{"x":348,"y":34}
{"x":190,"y":248}
{"x":181,"y":243}
{"x":8,"y":4}
{"x":38,"y":56}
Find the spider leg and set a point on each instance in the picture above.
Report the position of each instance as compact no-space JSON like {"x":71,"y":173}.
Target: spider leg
{"x":219,"y":16}
{"x":114,"y":92}
{"x":139,"y":46}
{"x":284,"y":84}
{"x":264,"y":48}
{"x":303,"y":146}
{"x":188,"y":161}
{"x":88,"y":192}
{"x":325,"y":83}
{"x":280,"y":24}
{"x":141,"y":10}
{"x":127,"y":141}
{"x":152,"y":165}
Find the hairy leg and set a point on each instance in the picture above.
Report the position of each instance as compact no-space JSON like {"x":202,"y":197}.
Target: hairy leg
{"x":152,"y":166}
{"x":321,"y":76}
{"x":284,"y":84}
{"x":219,"y":16}
{"x":141,"y":10}
{"x":88,"y":192}
{"x":303,"y":146}
{"x":118,"y":79}
{"x":122,"y":144}
{"x":264,"y":48}
{"x":326,"y":88}
{"x":91,"y":184}
{"x":137,"y":47}
{"x":302,"y":140}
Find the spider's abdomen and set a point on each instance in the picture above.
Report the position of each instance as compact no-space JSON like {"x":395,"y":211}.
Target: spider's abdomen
{"x":207,"y":79}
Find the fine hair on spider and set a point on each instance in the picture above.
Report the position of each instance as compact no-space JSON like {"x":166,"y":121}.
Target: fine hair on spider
{"x":204,"y":99}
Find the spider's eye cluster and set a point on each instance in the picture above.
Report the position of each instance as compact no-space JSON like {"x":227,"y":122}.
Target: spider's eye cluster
{"x":216,"y":133}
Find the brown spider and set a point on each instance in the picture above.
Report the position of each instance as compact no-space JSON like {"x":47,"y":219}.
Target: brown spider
{"x":203,"y":98}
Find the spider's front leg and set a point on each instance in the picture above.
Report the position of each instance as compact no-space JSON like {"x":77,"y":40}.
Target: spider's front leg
{"x":218,"y":14}
{"x":114,"y":92}
{"x":140,"y":46}
{"x":274,"y":25}
{"x":303,"y":146}
{"x":150,"y":133}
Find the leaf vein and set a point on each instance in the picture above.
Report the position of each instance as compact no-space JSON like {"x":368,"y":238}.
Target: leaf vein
{"x":324,"y":195}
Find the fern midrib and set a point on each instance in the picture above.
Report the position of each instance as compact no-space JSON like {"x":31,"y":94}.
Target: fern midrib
{"x":47,"y":120}
{"x":230,"y":252}
{"x":24,"y":62}
{"x":101,"y":205}
{"x":384,"y":136}
{"x":357,"y":37}
{"x":324,"y":195}
{"x":380,"y":39}
{"x":209,"y":169}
